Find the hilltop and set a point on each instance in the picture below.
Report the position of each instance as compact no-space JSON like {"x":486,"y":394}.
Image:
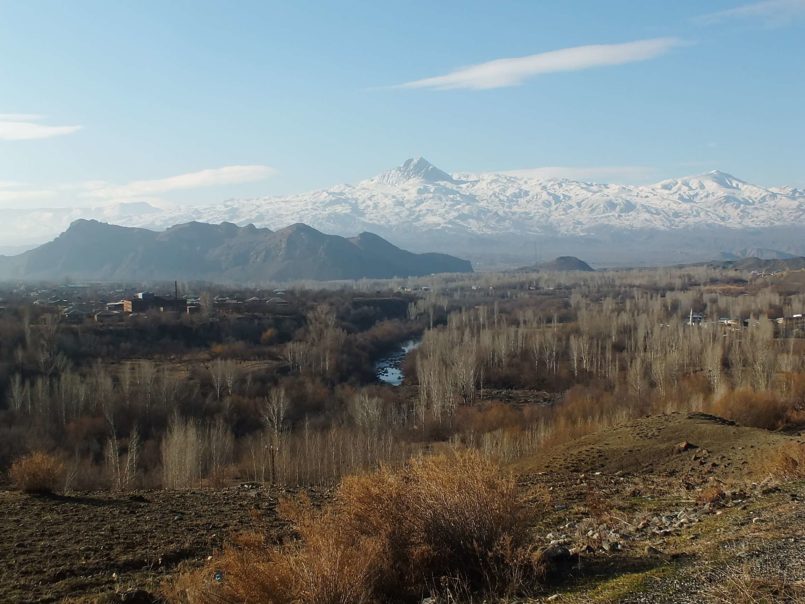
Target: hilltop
{"x":561,"y":263}
{"x":693,"y":445}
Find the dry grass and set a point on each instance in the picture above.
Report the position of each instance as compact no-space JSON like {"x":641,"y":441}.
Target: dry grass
{"x":741,"y":585}
{"x":751,"y":408}
{"x":784,"y":463}
{"x":38,"y":472}
{"x":712,"y":494}
{"x":598,"y":505}
{"x":443,"y":523}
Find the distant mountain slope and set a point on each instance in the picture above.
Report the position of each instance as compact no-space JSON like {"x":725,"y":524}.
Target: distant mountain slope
{"x":763,"y":264}
{"x":223,"y":252}
{"x":506,"y":214}
{"x":565,"y":263}
{"x":765,"y":254}
{"x":561,"y":263}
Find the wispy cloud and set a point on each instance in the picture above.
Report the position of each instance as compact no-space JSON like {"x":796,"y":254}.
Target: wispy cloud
{"x":13,"y":191}
{"x":769,"y":12}
{"x":83,"y":194}
{"x":513,"y":71}
{"x":228,"y":175}
{"x":25,"y":126}
{"x":588,"y":173}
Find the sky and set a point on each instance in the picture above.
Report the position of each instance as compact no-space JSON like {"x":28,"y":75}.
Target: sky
{"x":193,"y":101}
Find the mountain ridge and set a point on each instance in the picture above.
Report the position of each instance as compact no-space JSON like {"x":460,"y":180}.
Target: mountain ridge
{"x":223,"y":252}
{"x":423,"y":207}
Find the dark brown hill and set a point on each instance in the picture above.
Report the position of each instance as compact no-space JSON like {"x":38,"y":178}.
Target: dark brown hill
{"x":91,"y":250}
{"x":561,"y":263}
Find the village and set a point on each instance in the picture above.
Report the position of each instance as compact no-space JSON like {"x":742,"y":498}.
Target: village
{"x":77,"y":304}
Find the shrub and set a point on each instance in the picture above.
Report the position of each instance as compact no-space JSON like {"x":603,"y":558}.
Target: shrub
{"x":442,"y":523}
{"x":38,"y":472}
{"x":269,"y":336}
{"x":750,"y":408}
{"x":181,"y":454}
{"x":785,"y":463}
{"x":446,"y":516}
{"x":712,"y":495}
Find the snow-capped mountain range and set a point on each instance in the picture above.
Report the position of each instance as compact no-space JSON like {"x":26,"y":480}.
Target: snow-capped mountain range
{"x":417,"y":203}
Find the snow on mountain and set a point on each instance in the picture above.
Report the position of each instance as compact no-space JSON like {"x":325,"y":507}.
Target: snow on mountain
{"x":419,"y":198}
{"x":413,"y":169}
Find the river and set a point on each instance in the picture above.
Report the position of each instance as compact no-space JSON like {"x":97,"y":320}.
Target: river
{"x":388,"y":368}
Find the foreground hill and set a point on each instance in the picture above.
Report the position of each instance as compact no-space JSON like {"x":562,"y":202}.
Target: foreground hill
{"x":693,"y":445}
{"x":683,"y":507}
{"x":656,"y":525}
{"x":223,"y":253}
{"x":501,"y":214}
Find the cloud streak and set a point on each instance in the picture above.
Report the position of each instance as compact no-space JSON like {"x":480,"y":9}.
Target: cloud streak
{"x":501,"y":73}
{"x":17,"y":195}
{"x":78,"y":194}
{"x":23,"y":126}
{"x":228,"y":175}
{"x":770,"y":12}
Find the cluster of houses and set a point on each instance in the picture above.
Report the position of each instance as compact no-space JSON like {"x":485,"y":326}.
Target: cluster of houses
{"x":145,"y":302}
{"x":794,"y":322}
{"x":226,"y":304}
{"x":78,"y":303}
{"x":148,"y":302}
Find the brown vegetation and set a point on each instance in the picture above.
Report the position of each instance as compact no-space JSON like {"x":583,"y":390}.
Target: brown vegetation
{"x":289,"y":396}
{"x":743,"y":585}
{"x":787,"y":462}
{"x":750,"y":408}
{"x":38,"y":472}
{"x":446,"y":523}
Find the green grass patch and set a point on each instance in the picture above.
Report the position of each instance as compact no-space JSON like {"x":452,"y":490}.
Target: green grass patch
{"x":615,"y":588}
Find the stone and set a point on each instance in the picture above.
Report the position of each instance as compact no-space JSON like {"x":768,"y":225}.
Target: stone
{"x":684,"y":446}
{"x":555,"y":561}
{"x":137,"y":596}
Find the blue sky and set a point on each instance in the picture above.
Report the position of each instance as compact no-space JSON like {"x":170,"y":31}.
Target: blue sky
{"x":195,"y":101}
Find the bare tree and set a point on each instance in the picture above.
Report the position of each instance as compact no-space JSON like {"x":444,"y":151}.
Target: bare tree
{"x":274,"y":410}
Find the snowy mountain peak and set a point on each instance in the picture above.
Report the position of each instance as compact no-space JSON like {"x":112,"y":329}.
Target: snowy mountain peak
{"x":417,"y":202}
{"x":417,"y":169}
{"x":723,"y":179}
{"x":714,"y":181}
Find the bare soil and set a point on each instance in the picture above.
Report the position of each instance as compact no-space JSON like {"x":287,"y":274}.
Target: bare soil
{"x":92,"y":546}
{"x":689,"y":446}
